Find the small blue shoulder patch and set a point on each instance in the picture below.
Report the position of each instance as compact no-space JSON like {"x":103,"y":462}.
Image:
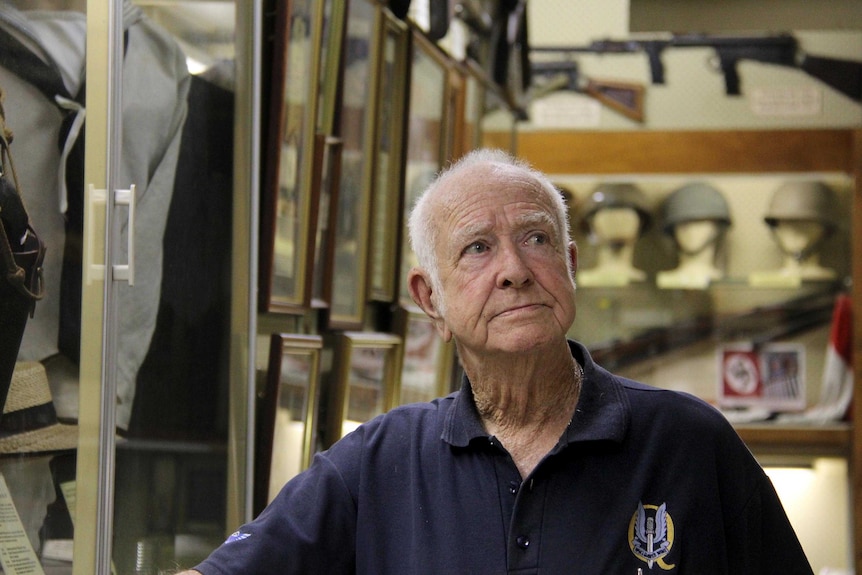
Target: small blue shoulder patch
{"x":237,"y":536}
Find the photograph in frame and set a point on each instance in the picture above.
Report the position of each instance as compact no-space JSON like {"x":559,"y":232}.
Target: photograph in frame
{"x":331,"y":42}
{"x":474,"y":106}
{"x":288,"y":211}
{"x":286,"y":413}
{"x":426,"y":121}
{"x":367,"y":378}
{"x":328,"y":174}
{"x":387,"y":185}
{"x":426,"y":368}
{"x":347,"y":306}
{"x":770,"y":376}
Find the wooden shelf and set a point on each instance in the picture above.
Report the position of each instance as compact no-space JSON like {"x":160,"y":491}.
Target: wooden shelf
{"x":815,"y":440}
{"x":652,"y":152}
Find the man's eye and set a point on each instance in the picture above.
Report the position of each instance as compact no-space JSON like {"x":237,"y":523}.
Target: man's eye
{"x":538,"y":239}
{"x":476,"y":248}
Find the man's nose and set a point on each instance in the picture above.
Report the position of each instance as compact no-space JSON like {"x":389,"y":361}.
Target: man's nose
{"x":514,"y":271}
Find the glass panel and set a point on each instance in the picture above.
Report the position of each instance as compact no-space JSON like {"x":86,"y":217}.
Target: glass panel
{"x":42,"y":207}
{"x":172,"y":368}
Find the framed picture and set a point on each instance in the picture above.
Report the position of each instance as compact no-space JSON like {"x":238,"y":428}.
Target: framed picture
{"x":453,"y":138}
{"x":388,"y":149}
{"x":327,"y":168}
{"x":426,"y":121}
{"x":346,"y":310}
{"x":331,"y":42}
{"x":288,"y":212}
{"x":500,"y":112}
{"x":426,"y":368}
{"x":474,"y":106}
{"x":366,"y":381}
{"x":770,"y":376}
{"x":286,"y":413}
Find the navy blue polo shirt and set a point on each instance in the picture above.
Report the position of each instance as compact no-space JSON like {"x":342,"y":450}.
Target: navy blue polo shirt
{"x":643,"y":478}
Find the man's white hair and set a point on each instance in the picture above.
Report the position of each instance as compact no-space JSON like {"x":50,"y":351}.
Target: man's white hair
{"x":424,"y":229}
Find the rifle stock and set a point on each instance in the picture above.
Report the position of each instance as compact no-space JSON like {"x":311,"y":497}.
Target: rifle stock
{"x":626,"y":98}
{"x":843,"y":75}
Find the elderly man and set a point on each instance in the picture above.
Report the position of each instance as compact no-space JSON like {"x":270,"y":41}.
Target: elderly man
{"x":543,"y":462}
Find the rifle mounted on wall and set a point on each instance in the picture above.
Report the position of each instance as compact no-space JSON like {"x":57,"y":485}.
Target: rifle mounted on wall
{"x":627,"y":98}
{"x":843,"y":75}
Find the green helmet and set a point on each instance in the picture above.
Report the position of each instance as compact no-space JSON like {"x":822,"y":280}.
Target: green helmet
{"x":804,"y":201}
{"x":694,"y":202}
{"x":616,"y":196}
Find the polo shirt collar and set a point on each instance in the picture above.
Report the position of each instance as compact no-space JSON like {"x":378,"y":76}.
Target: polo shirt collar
{"x":602,"y":412}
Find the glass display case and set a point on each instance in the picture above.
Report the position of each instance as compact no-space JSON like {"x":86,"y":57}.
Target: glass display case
{"x":115,"y":449}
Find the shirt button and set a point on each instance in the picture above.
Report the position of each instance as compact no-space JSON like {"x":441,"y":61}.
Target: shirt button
{"x":513,"y":487}
{"x":523,"y":541}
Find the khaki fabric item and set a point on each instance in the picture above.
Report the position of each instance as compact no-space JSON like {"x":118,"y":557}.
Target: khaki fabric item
{"x":29,"y":390}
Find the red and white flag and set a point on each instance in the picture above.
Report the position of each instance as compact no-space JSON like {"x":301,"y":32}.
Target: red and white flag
{"x":836,"y":390}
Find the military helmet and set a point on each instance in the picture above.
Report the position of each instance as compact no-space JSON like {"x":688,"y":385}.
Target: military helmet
{"x":804,"y":201}
{"x":617,"y":195}
{"x":694,"y":202}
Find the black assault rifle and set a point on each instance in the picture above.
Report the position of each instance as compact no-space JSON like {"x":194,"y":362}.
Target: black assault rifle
{"x":844,"y":76}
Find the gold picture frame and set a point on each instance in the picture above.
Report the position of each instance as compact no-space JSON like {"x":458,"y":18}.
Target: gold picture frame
{"x":327,"y":167}
{"x":426,"y":127}
{"x":426,"y":365}
{"x":288,"y":212}
{"x":287,"y":407}
{"x":388,"y":149}
{"x":368,"y":370}
{"x":474,"y":105}
{"x":347,"y":305}
{"x":332,"y":45}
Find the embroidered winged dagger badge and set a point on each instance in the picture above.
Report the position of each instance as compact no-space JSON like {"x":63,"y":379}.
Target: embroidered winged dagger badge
{"x":651,"y":534}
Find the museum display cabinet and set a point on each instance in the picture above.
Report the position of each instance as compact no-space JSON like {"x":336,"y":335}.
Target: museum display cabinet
{"x":143,"y":401}
{"x":628,"y":335}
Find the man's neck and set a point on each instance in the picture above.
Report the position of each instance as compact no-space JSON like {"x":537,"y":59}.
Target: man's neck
{"x":527,"y":406}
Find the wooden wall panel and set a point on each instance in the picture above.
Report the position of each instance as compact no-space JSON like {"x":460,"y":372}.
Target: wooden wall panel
{"x":719,"y":151}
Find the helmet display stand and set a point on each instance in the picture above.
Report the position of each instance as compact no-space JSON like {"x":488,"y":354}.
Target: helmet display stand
{"x":615,"y":216}
{"x":801,"y":216}
{"x":696,"y":217}
{"x":697,"y":246}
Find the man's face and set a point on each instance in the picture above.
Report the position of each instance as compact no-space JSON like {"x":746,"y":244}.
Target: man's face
{"x":503,"y":268}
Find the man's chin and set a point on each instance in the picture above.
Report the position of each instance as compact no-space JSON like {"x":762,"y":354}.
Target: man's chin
{"x":523,"y":340}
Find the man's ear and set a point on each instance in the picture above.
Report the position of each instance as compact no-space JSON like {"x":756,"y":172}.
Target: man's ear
{"x":573,"y":256}
{"x":419,"y":286}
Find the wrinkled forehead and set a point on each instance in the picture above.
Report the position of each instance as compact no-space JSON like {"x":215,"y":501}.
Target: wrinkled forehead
{"x":488,"y":178}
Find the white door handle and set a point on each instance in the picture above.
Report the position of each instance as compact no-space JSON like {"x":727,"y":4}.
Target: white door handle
{"x":96,"y":271}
